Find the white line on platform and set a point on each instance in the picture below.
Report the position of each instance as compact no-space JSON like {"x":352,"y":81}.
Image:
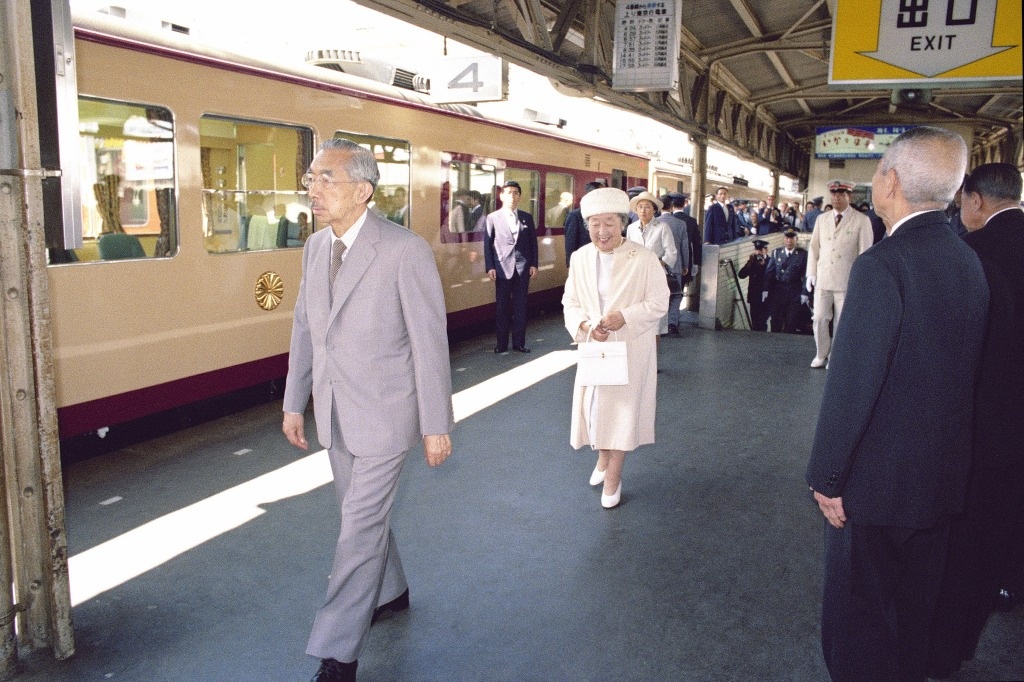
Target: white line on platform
{"x":142,"y":549}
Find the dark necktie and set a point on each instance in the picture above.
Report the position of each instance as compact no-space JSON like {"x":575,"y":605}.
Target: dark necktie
{"x":337,"y":252}
{"x":839,"y":217}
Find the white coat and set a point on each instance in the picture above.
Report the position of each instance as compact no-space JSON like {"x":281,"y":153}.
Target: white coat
{"x":834,"y":247}
{"x":625,"y":414}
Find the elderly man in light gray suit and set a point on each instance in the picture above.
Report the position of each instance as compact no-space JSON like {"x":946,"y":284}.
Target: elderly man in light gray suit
{"x":369,"y":343}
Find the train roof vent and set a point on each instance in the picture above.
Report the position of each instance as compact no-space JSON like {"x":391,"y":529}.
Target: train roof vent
{"x":355,"y":64}
{"x":544,"y":117}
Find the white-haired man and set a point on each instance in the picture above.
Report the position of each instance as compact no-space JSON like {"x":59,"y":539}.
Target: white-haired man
{"x":891,"y":453}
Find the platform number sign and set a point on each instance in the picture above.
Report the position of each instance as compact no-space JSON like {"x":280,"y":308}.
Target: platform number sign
{"x":923,"y":40}
{"x":469,"y":77}
{"x":481,"y":78}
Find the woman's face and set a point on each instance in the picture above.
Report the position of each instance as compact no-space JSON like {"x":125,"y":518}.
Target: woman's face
{"x":605,"y":230}
{"x":645,"y":211}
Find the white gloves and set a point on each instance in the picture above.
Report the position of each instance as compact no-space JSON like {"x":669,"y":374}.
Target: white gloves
{"x":810,"y":282}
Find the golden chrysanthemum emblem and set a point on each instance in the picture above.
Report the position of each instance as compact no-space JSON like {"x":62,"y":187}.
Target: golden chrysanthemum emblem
{"x":269,"y":290}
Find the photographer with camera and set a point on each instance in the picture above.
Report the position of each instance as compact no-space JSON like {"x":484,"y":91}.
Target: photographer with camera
{"x":757,"y":290}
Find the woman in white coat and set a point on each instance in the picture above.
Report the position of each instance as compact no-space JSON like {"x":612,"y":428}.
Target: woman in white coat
{"x":616,"y":291}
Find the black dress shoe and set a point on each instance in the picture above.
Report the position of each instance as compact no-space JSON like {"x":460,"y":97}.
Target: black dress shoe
{"x":396,"y":605}
{"x":335,"y":671}
{"x":673,"y":330}
{"x":501,"y":350}
{"x":521,"y":349}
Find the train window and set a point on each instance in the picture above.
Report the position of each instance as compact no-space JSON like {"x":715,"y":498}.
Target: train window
{"x":558,"y":199}
{"x":252,"y":196}
{"x":529,"y":180}
{"x":391,"y":198}
{"x":470,"y":196}
{"x":127,"y":179}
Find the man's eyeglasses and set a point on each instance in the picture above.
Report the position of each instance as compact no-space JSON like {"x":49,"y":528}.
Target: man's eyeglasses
{"x":310,"y":179}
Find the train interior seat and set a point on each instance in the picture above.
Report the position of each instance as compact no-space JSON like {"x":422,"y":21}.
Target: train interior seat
{"x":288,"y":233}
{"x":118,"y":246}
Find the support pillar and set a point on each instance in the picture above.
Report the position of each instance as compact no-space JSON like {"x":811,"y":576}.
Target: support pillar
{"x":34,"y":551}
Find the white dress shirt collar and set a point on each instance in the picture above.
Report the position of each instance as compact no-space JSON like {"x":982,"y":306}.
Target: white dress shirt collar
{"x":350,"y":234}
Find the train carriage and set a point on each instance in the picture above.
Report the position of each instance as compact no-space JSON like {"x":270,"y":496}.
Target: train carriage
{"x":194,"y":213}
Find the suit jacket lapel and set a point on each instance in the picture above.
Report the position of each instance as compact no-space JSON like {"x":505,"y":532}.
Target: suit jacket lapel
{"x":357,"y":261}
{"x":319,"y":265}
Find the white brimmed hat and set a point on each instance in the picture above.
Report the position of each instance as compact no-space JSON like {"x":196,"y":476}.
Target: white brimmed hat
{"x":644,"y":196}
{"x":604,"y":200}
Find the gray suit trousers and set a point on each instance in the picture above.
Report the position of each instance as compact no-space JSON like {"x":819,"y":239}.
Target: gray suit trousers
{"x":367,"y":569}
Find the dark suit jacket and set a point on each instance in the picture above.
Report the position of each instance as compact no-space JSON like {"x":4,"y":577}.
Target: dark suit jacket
{"x":720,"y":225}
{"x":499,"y":251}
{"x":576,"y":233}
{"x":894,"y":430}
{"x":693,"y":232}
{"x":998,"y":427}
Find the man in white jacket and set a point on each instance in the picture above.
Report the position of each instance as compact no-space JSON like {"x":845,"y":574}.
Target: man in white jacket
{"x":840,"y":235}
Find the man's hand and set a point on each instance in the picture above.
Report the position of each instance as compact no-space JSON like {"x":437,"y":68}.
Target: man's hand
{"x":832,"y":508}
{"x":811,"y":280}
{"x":533,"y":271}
{"x":294,"y":428}
{"x":437,"y":449}
{"x":493,"y":274}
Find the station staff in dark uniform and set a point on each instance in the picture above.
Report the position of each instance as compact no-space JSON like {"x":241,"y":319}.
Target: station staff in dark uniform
{"x":785,"y":279}
{"x":510,"y":256}
{"x":755,"y":268}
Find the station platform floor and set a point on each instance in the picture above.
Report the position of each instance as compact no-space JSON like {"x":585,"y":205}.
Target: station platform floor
{"x":203,"y":555}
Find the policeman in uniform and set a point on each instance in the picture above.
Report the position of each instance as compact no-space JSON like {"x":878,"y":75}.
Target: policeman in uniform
{"x":785,"y":275}
{"x":755,"y":268}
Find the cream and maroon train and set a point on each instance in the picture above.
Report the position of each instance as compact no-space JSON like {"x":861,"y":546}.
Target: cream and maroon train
{"x":193,"y":157}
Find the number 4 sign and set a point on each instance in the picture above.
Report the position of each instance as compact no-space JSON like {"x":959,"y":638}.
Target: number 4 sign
{"x":483,"y":78}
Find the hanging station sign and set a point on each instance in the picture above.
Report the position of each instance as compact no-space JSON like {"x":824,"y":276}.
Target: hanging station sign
{"x":855,"y":143}
{"x":646,"y":56}
{"x":914,"y":43}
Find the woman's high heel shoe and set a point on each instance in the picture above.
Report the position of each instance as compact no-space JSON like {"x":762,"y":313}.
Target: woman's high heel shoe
{"x":596,"y":478}
{"x":609,"y":501}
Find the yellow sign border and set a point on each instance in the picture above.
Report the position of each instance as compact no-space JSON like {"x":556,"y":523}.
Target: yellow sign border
{"x":855,"y":29}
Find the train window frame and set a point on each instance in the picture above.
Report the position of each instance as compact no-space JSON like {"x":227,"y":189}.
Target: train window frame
{"x":390,"y":172}
{"x":458,"y":171}
{"x":529,"y":179}
{"x":142,"y":158}
{"x":227,"y":213}
{"x":555,"y":209}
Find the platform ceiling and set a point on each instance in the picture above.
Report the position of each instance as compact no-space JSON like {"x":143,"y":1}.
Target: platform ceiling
{"x":754,"y":75}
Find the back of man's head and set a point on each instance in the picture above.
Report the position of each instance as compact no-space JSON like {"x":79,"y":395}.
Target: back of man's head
{"x":930,"y":164}
{"x":998,"y":181}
